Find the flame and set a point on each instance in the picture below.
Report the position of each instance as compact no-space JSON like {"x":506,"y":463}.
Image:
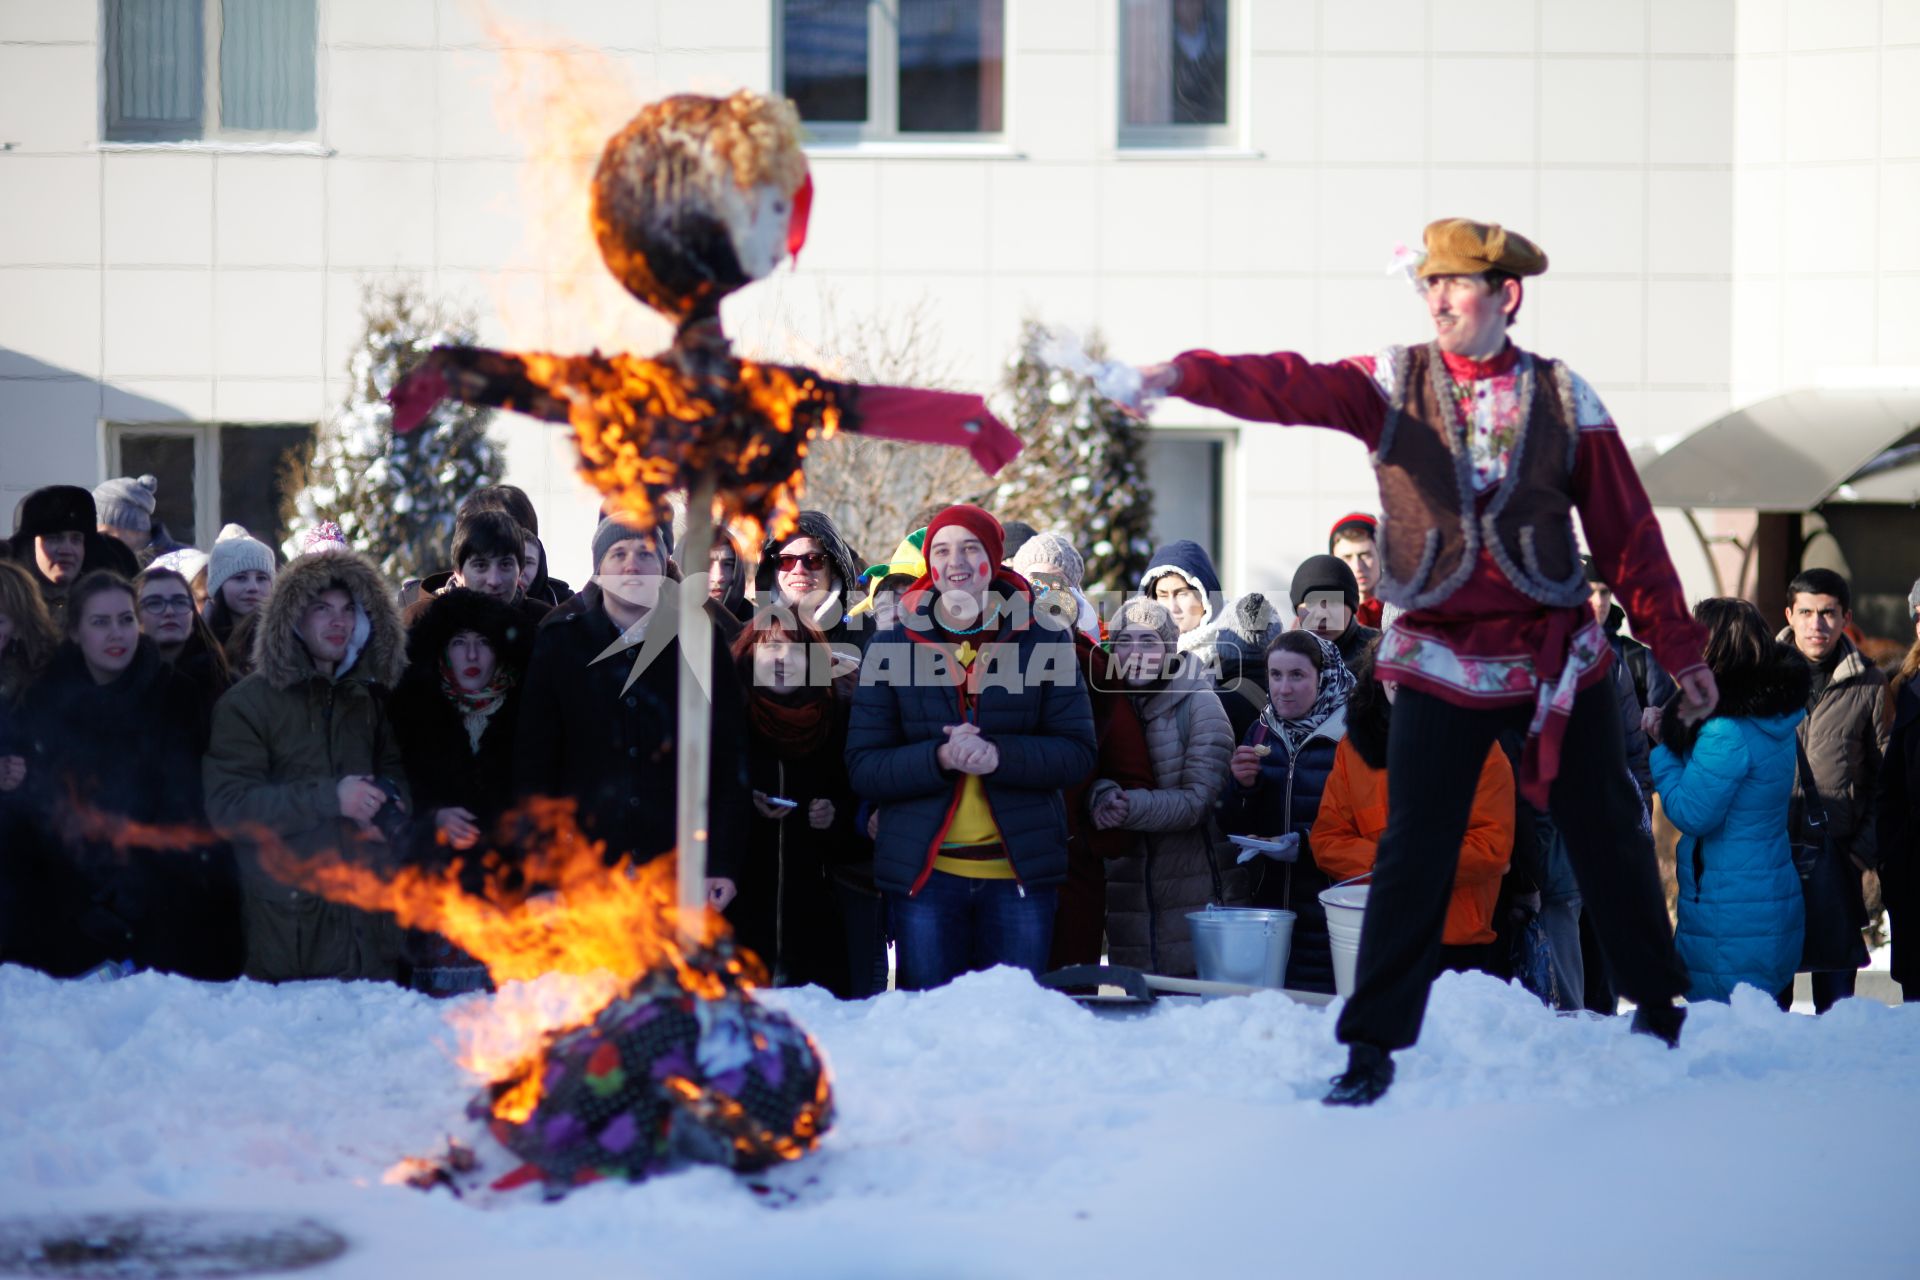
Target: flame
{"x":565,"y":936}
{"x":559,"y":955}
{"x":645,"y":426}
{"x":411,"y":1171}
{"x":725,"y":1113}
{"x":562,"y":100}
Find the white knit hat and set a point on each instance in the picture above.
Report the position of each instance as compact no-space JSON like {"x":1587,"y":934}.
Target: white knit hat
{"x":1050,"y":548}
{"x":236,"y":551}
{"x":186,"y":562}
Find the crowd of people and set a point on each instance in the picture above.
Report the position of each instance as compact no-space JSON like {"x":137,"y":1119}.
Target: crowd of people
{"x":958,"y":752}
{"x":955,"y":751}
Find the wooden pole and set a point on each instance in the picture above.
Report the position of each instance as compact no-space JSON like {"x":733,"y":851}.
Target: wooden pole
{"x":696,"y":711}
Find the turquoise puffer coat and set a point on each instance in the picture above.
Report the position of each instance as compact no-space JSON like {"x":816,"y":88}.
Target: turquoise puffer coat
{"x":1741,"y":913}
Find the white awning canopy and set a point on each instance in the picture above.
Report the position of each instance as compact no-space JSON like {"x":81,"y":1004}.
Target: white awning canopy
{"x":1795,"y":451}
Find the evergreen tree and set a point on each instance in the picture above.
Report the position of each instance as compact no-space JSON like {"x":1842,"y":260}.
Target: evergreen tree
{"x":394,"y":496}
{"x":1083,"y":472}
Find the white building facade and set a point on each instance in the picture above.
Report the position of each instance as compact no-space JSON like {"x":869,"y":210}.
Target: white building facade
{"x":194,"y":192}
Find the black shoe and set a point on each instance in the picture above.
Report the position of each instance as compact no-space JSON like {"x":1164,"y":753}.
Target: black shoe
{"x":1662,"y":1022}
{"x":1369,"y":1072}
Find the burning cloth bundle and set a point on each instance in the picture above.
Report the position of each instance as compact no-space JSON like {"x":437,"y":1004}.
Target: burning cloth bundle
{"x":662,"y":1078}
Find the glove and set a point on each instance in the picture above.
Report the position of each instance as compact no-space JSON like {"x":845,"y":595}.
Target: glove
{"x":1289,"y":850}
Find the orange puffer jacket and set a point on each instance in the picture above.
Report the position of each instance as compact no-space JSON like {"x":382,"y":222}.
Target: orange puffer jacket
{"x":1353,"y":815}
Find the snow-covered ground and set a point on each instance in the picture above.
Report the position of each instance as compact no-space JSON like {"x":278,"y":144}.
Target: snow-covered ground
{"x":992,"y":1129}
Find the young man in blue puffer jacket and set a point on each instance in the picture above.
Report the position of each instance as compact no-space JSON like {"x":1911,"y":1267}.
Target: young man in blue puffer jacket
{"x":970,"y":721}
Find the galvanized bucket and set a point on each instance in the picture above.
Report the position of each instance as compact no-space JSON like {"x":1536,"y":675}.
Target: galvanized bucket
{"x":1248,"y":945}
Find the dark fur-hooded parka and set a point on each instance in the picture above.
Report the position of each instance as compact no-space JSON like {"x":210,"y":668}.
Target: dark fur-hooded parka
{"x":282,"y":739}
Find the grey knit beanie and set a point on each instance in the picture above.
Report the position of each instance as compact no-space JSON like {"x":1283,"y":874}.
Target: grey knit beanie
{"x":612,"y":529}
{"x":1050,"y":548}
{"x":236,"y":551}
{"x":1142,"y":612}
{"x":127,"y":502}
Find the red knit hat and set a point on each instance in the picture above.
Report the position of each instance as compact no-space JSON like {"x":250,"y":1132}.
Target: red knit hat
{"x":1366,"y":518}
{"x":975,"y":521}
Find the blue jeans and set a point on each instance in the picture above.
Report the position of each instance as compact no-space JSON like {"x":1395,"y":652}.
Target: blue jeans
{"x":955,"y":925}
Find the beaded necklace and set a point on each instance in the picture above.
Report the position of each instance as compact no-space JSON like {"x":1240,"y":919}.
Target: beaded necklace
{"x":992,"y":616}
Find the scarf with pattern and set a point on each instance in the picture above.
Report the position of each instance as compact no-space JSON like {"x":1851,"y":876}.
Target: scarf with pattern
{"x":1336,"y":686}
{"x":476,"y":708}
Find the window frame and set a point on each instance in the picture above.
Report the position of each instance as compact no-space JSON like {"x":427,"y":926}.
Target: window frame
{"x":1222,"y":503}
{"x":1149,"y":138}
{"x":882,"y":124}
{"x":208,"y":515}
{"x":210,"y":131}
{"x":206,"y":463}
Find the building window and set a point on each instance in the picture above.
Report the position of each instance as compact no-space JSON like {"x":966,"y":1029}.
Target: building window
{"x":863,"y":70}
{"x":182,"y":70}
{"x":1176,"y":73}
{"x":214,"y":474}
{"x":1189,"y":469}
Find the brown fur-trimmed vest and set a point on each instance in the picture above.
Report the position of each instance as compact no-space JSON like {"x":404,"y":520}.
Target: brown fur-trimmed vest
{"x":1432,"y":528}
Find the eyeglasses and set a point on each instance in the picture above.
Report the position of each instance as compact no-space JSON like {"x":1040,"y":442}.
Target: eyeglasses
{"x":167,"y":604}
{"x":815,"y":561}
{"x":1045,"y":582}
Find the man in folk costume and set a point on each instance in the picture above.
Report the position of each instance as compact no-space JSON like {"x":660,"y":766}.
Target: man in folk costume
{"x":1483,"y":451}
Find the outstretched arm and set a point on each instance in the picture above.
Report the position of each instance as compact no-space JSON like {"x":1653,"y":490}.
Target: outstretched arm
{"x":1282,"y":387}
{"x":929,"y":417}
{"x":477,"y":375}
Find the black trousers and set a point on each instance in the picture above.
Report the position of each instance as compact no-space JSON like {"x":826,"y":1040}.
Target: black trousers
{"x":1434,"y":757}
{"x":1830,"y":986}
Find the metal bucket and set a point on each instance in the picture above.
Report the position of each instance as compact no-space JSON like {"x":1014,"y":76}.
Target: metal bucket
{"x":1346,"y":905}
{"x":1247,"y":945}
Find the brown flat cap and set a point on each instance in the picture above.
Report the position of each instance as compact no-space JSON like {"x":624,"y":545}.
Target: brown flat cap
{"x":1462,"y":247}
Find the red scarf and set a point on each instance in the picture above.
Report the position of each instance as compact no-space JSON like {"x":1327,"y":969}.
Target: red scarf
{"x":796,"y":729}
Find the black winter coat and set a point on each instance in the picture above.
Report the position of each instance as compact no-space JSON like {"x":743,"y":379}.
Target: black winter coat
{"x":788,"y":912}
{"x":1652,"y":686}
{"x":206,"y":667}
{"x":1031,"y":703}
{"x":18,"y":834}
{"x":582,"y":735}
{"x":128,"y":751}
{"x":443,"y":769}
{"x":1899,"y":832}
{"x":1353,"y":643}
{"x":1287,"y":798}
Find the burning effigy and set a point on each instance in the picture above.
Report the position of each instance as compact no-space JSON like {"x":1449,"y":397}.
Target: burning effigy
{"x":695,"y":198}
{"x":659,"y":1054}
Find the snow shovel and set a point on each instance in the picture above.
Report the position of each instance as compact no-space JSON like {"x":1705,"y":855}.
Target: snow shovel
{"x":1139,"y":990}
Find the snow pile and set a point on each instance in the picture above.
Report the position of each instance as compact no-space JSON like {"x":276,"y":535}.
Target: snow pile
{"x":993,"y":1129}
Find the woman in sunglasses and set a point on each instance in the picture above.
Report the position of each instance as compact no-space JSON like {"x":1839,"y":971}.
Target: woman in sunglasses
{"x":809,"y":574}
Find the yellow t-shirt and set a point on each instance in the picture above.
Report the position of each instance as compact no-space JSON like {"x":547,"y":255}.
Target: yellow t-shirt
{"x":972,"y":824}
